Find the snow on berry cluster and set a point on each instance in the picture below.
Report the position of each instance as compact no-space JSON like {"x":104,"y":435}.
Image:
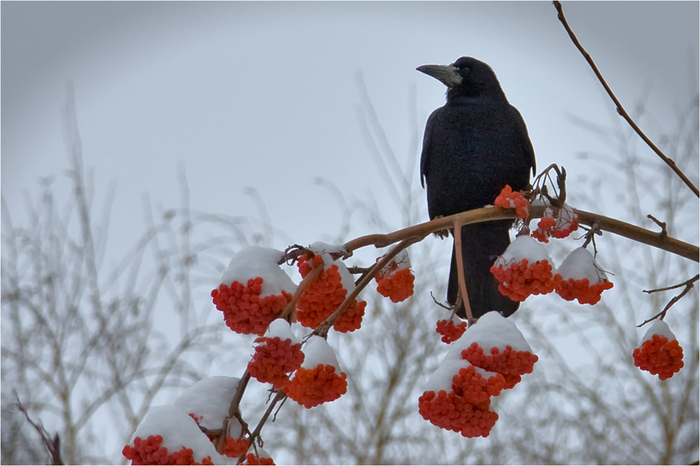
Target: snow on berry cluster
{"x":167,"y":435}
{"x":557,"y":223}
{"x":277,"y":354}
{"x":150,"y":451}
{"x":458,"y":395}
{"x":326,"y":293}
{"x":319,"y":379}
{"x":257,"y":457}
{"x":509,"y":199}
{"x":451,"y":330}
{"x":524,"y":269}
{"x":581,"y":278}
{"x":659,"y":353}
{"x":253,"y":291}
{"x":395,"y":280}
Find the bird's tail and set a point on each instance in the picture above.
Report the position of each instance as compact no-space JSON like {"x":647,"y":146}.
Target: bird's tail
{"x":482,"y":243}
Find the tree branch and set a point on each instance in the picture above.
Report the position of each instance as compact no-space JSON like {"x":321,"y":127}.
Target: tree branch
{"x":620,"y":110}
{"x":492,"y":213}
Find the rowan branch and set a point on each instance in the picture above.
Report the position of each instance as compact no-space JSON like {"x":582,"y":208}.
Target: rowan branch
{"x":688,"y":286}
{"x":492,"y":213}
{"x":620,"y":110}
{"x":460,"y":271}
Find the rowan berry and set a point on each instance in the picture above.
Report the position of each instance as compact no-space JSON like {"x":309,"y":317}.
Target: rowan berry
{"x":451,"y":330}
{"x":660,"y":352}
{"x":510,"y":199}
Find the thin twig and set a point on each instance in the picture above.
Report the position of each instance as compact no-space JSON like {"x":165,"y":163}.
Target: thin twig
{"x":52,"y":445}
{"x":688,"y":286}
{"x":673,"y":287}
{"x":620,"y":109}
{"x":460,"y":271}
{"x":323,"y":327}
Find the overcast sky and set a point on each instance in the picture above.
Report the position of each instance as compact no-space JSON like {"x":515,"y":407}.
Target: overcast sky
{"x":265,"y":94}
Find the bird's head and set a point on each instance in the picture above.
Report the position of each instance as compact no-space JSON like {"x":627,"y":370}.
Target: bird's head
{"x":466,"y":76}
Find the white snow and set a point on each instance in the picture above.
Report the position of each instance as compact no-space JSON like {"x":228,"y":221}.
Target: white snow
{"x":281,"y":328}
{"x":209,"y":400}
{"x":660,"y":328}
{"x":258,"y":261}
{"x":491,"y":330}
{"x":442,"y":377}
{"x":580,"y":264}
{"x":178,"y":430}
{"x":524,"y":247}
{"x":318,"y":351}
{"x":319,"y":247}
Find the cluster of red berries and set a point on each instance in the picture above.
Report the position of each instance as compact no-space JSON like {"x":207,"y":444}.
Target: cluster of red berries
{"x":252,"y":459}
{"x":449,"y":331}
{"x":235,"y":447}
{"x":509,"y":199}
{"x":582,"y":290}
{"x":518,"y":280}
{"x":244,"y":310}
{"x":477,"y":385}
{"x":395,"y":282}
{"x":321,"y":384}
{"x":397,"y":286}
{"x":461,"y":389}
{"x":453,"y":412}
{"x":558,"y":224}
{"x":150,"y":451}
{"x":324,"y":295}
{"x":659,"y":356}
{"x":274,"y":359}
{"x":511,"y":364}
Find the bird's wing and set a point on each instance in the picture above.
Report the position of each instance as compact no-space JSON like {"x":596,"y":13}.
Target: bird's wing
{"x":425,"y":154}
{"x":524,"y":139}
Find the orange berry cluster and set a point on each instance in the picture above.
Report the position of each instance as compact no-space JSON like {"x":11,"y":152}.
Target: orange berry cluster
{"x":453,"y":412}
{"x":323,"y":296}
{"x":582,"y":290}
{"x":561,"y":227}
{"x":510,"y":363}
{"x":513,"y":199}
{"x":244,"y":310}
{"x":150,"y":451}
{"x":235,"y":447}
{"x":449,"y":331}
{"x":396,"y":285}
{"x":520,"y":280}
{"x":252,"y":459}
{"x":659,"y":356}
{"x":474,"y":387}
{"x":311,"y":387}
{"x":274,"y":359}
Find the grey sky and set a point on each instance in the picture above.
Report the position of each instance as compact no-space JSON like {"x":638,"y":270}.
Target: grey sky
{"x":264,"y":94}
{"x":235,"y":91}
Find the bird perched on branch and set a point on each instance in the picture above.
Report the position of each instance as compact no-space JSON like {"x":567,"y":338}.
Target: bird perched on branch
{"x":473,"y":146}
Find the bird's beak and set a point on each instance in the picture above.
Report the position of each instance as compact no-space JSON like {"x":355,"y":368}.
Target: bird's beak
{"x":447,"y":75}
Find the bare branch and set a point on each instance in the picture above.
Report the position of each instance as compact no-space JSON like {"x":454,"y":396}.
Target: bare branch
{"x":618,"y":105}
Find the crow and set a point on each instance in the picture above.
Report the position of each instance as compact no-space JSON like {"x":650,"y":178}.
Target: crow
{"x":473,"y":146}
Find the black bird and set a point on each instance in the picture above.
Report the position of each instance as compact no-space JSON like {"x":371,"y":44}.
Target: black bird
{"x":473,"y":146}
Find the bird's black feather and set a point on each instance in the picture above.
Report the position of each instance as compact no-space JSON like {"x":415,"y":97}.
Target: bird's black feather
{"x":473,"y":146}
